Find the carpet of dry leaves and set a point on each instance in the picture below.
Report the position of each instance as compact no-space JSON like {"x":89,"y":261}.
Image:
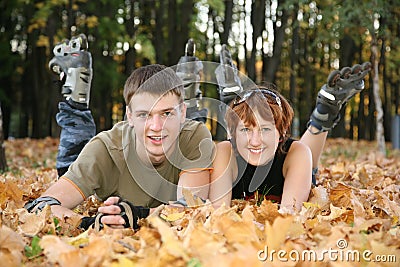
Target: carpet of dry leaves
{"x":351,"y":219}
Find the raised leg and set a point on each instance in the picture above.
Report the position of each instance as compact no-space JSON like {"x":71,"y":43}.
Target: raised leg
{"x":73,"y":63}
{"x":332,"y":97}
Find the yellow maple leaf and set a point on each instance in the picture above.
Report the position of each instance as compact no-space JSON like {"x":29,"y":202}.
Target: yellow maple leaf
{"x":78,"y":240}
{"x":320,"y":197}
{"x":338,"y":168}
{"x":123,"y":262}
{"x":172,"y":216}
{"x":33,"y":223}
{"x":203,"y":244}
{"x":11,"y":247}
{"x":278,"y":231}
{"x":236,"y":231}
{"x":268,"y":211}
{"x":336,"y":214}
{"x":340,"y":196}
{"x":98,"y":251}
{"x":9,"y":191}
{"x":170,"y":243}
{"x":53,"y":247}
{"x":309,"y":205}
{"x":72,"y":258}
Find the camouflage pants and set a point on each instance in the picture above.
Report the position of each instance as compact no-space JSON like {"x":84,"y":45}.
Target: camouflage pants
{"x":314,"y":176}
{"x":77,"y":128}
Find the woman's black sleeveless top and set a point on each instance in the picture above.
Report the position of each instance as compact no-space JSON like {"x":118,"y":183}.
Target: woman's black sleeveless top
{"x":267,"y":179}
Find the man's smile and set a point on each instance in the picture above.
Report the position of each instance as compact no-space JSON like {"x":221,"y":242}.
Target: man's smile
{"x":157,"y":139}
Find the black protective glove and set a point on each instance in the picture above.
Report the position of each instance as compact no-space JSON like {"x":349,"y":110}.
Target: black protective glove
{"x":129,"y":212}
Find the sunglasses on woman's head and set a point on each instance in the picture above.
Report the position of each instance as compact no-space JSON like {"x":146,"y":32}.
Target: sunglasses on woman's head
{"x":266,"y":93}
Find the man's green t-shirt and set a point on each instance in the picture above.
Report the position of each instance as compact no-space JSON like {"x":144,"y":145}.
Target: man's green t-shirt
{"x":109,"y":165}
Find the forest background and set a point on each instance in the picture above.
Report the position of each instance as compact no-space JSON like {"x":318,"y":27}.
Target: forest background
{"x":295,"y":44}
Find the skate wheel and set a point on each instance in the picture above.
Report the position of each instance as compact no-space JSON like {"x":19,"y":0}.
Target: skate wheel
{"x":356,"y":69}
{"x":333,"y":77}
{"x":190,"y":48}
{"x":345,"y":72}
{"x":60,"y":49}
{"x":366,"y":66}
{"x":57,"y":50}
{"x":225,"y":56}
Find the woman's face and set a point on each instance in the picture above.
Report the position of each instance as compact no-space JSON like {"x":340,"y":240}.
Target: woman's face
{"x":257,"y":144}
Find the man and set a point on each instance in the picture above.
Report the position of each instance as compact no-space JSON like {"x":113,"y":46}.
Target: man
{"x":146,"y":159}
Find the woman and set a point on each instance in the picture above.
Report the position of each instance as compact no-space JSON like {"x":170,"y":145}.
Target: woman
{"x":260,"y":159}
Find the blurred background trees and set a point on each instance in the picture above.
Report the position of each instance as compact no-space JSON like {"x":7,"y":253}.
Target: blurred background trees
{"x":294,"y":44}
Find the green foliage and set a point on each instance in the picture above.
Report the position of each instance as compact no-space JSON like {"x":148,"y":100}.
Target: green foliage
{"x":216,"y":5}
{"x":110,"y":31}
{"x":147,"y":49}
{"x":44,"y":9}
{"x":57,"y":226}
{"x":321,"y":26}
{"x":194,"y":262}
{"x":34,"y":250}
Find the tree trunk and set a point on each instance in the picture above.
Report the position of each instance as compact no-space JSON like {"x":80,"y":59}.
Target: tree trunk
{"x":306,"y":103}
{"x":227,"y":21}
{"x":257,"y":21}
{"x":347,"y":52}
{"x":54,"y":91}
{"x":387,"y":99}
{"x":160,"y":9}
{"x":361,"y":117}
{"x":271,"y":63}
{"x":380,"y":137}
{"x":370,"y":122}
{"x":294,"y":61}
{"x":397,"y":94}
{"x":173,"y":48}
{"x":130,"y":55}
{"x":3,"y":161}
{"x":186,"y":12}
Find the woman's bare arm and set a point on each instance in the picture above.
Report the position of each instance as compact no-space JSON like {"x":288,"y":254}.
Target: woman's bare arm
{"x":222,"y":175}
{"x":297,"y":171}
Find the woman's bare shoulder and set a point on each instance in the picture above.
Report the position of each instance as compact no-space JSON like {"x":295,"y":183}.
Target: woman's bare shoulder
{"x":224,"y":151}
{"x":224,"y":145}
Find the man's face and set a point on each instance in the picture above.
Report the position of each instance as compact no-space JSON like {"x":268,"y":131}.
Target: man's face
{"x":157,"y":121}
{"x":257,"y":144}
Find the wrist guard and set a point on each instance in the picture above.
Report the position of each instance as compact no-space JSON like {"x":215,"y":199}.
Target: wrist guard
{"x":40,"y":203}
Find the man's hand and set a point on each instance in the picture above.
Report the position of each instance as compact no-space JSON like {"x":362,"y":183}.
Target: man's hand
{"x":116,"y":213}
{"x":112,"y":213}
